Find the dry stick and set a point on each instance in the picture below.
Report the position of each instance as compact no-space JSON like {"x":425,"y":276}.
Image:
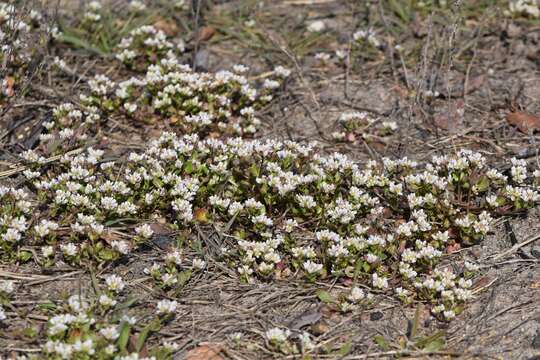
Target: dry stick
{"x":37,"y":282}
{"x":516,"y":247}
{"x":19,"y":169}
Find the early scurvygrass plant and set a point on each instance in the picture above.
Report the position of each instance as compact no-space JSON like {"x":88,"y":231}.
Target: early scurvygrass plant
{"x":20,"y":30}
{"x":224,"y":102}
{"x":90,"y":327}
{"x":289,"y":211}
{"x":145,"y":45}
{"x":361,"y":124}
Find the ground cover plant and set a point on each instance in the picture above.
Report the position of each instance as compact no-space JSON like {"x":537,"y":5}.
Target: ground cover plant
{"x":240,"y":179}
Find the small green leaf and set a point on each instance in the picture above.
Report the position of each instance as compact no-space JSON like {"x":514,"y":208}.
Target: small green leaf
{"x":325,"y":297}
{"x":183,"y":277}
{"x":24,"y":256}
{"x":345,"y":349}
{"x":47,"y":306}
{"x":123,"y":339}
{"x":434,"y":345}
{"x":126,"y":304}
{"x":380,"y":340}
{"x":153,"y":326}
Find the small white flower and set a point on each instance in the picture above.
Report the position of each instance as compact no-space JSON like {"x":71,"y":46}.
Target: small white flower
{"x":278,"y":335}
{"x":166,"y":307}
{"x":110,"y":333}
{"x":115,"y":283}
{"x":316,"y":26}
{"x":312,"y":267}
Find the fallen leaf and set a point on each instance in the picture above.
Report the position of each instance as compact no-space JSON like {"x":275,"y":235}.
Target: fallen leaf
{"x":475,"y":83}
{"x":451,"y":118}
{"x":9,"y":83}
{"x":205,"y":33}
{"x":201,"y":215}
{"x":320,"y":328}
{"x":453,"y":248}
{"x":525,"y":122}
{"x":480,"y":283}
{"x":160,"y":228}
{"x":206,"y":351}
{"x":168,"y":27}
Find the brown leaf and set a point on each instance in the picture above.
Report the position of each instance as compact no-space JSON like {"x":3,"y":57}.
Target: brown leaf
{"x":451,"y":118}
{"x":205,"y":351}
{"x":159,"y":228}
{"x":168,"y":27}
{"x":525,"y":122}
{"x":201,"y":215}
{"x":453,"y":248}
{"x":475,"y":83}
{"x":9,"y":83}
{"x":320,"y":328}
{"x":205,"y":33}
{"x":109,"y":237}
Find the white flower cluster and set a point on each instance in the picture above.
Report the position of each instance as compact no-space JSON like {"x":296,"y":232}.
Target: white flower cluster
{"x":175,"y":263}
{"x":20,"y":33}
{"x":367,"y":35}
{"x":93,"y":10}
{"x":525,"y":7}
{"x":268,"y":192}
{"x":364,"y":125}
{"x":88,"y":327}
{"x":144,"y":45}
{"x":223,"y":102}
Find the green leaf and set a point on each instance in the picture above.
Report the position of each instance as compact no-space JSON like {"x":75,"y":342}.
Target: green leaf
{"x":153,"y":326}
{"x":380,"y":340}
{"x":345,"y":349}
{"x":126,"y":304}
{"x":24,"y":256}
{"x":183,"y":277}
{"x":325,"y":297}
{"x":47,"y":306}
{"x":434,"y":345}
{"x":433,"y":342}
{"x":123,"y":339}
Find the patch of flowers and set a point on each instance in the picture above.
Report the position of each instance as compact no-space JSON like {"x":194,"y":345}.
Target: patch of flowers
{"x":145,"y":45}
{"x":290,"y":211}
{"x":7,"y":287}
{"x":222,"y":103}
{"x":19,"y":28}
{"x":363,"y":125}
{"x":175,"y":270}
{"x":91,"y":327}
{"x":525,"y":8}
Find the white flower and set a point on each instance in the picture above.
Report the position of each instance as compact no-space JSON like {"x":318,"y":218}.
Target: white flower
{"x":47,"y":251}
{"x":166,"y":307}
{"x":379,"y":281}
{"x":356,"y":295}
{"x":110,"y":332}
{"x":199,"y":264}
{"x":278,"y":335}
{"x":312,"y":267}
{"x":115,"y":283}
{"x":144,"y":231}
{"x":316,"y":26}
{"x":106,"y":301}
{"x":3,"y":315}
